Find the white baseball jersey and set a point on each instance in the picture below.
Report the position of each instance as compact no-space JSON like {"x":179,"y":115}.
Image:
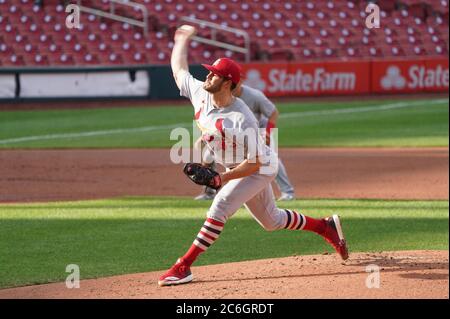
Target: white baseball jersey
{"x":216,"y":124}
{"x":258,"y":103}
{"x":254,"y":191}
{"x":263,"y":108}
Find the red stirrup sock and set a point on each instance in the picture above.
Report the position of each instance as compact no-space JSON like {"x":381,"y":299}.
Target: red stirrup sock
{"x":206,"y":237}
{"x":296,"y":221}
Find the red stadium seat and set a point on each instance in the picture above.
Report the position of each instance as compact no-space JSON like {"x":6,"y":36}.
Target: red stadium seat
{"x":114,"y":58}
{"x":304,"y":28}
{"x":39,"y":60}
{"x":66,"y":58}
{"x":16,"y":60}
{"x":386,"y":5}
{"x":5,"y":49}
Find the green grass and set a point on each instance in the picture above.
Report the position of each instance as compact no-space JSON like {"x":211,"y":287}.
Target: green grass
{"x":415,"y":123}
{"x":138,"y":234}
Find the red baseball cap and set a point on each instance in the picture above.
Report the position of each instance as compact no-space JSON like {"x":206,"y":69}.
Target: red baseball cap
{"x":227,"y":68}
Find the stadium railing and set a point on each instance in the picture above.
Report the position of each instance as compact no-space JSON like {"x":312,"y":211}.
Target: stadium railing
{"x":213,"y":40}
{"x":113,"y":15}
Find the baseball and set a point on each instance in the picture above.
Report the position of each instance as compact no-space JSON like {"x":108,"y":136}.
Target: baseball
{"x":187,"y":28}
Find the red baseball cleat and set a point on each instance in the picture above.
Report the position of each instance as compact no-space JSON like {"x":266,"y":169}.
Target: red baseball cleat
{"x":335,"y":236}
{"x":178,"y":274}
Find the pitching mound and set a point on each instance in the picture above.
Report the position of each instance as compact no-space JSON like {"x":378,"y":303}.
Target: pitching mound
{"x":406,"y":274}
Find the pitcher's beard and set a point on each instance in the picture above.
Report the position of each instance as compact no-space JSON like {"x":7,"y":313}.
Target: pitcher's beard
{"x":212,"y":88}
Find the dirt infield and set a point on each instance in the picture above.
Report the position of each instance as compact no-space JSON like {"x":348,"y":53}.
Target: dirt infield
{"x":407,"y":274}
{"x":51,"y":175}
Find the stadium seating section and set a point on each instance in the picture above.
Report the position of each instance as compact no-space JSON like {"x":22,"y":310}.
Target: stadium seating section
{"x":33,"y":33}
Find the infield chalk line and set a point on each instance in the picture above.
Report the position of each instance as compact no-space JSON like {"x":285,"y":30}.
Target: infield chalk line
{"x":88,"y":134}
{"x":380,"y":107}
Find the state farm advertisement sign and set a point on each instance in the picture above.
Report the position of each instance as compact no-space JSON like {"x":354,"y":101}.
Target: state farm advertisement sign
{"x":410,"y":76}
{"x":306,"y":79}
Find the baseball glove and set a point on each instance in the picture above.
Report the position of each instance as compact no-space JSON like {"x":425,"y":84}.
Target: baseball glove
{"x":202,"y":175}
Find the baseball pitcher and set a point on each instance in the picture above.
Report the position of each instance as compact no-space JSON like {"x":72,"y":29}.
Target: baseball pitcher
{"x":246,"y":181}
{"x":267,"y":115}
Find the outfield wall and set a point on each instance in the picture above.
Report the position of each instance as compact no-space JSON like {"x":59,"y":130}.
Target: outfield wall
{"x":349,"y":78}
{"x":275,"y":79}
{"x":88,"y":83}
